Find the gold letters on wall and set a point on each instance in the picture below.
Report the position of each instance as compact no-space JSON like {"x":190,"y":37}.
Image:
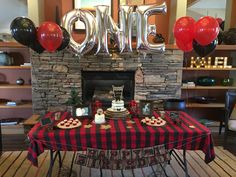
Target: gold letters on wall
{"x":202,"y":62}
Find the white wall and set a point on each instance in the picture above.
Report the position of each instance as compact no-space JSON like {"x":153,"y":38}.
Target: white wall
{"x":9,"y":10}
{"x":209,"y":4}
{"x":200,"y":12}
{"x":214,"y":8}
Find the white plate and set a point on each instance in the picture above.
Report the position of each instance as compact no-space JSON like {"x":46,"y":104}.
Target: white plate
{"x":70,"y":127}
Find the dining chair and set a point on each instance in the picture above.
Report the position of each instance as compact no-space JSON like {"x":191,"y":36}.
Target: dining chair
{"x":230,"y":123}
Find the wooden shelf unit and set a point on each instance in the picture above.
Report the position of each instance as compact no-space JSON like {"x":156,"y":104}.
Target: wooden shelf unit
{"x":213,"y":110}
{"x":226,"y":47}
{"x":20,"y":106}
{"x":14,"y":86}
{"x":207,"y":105}
{"x":11,"y":45}
{"x":15,"y":67}
{"x":209,"y":69}
{"x":209,"y":88}
{"x":9,"y":90}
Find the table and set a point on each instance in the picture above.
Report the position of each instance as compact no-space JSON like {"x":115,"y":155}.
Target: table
{"x":190,"y":135}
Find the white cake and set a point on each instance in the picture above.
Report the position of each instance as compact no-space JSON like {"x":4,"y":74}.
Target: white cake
{"x":99,"y":118}
{"x":118,"y":105}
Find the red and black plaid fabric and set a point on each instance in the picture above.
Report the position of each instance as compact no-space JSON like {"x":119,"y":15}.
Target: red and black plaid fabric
{"x":190,"y":135}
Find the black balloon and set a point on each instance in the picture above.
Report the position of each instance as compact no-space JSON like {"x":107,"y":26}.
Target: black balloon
{"x":203,"y":51}
{"x":230,"y":37}
{"x":220,"y":37}
{"x":23,"y":30}
{"x":65,"y":40}
{"x":222,"y":25}
{"x":36,"y":46}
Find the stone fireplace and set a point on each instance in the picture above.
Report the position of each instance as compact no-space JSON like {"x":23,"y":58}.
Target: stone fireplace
{"x":155,"y":76}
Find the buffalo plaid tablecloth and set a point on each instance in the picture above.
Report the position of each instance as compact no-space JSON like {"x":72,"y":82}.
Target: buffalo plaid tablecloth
{"x":123,"y":134}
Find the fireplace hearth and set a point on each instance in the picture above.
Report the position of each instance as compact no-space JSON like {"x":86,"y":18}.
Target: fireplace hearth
{"x":97,"y":85}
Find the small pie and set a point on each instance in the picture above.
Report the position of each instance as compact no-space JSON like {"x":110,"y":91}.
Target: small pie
{"x":74,"y":123}
{"x":67,"y":124}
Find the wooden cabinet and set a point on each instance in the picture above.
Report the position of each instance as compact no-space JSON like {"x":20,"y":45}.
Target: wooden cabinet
{"x":9,"y":90}
{"x":213,"y":107}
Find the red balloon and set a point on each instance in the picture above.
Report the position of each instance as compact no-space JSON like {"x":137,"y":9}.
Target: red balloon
{"x":206,"y":30}
{"x":50,"y":36}
{"x":185,"y":47}
{"x":184,"y":29}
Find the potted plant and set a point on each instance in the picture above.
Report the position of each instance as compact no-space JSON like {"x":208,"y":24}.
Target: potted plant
{"x":74,"y":101}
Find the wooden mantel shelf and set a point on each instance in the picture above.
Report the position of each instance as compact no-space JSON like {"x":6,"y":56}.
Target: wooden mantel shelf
{"x":168,"y":46}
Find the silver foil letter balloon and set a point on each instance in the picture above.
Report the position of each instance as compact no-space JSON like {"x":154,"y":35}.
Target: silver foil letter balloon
{"x":122,"y":36}
{"x":115,"y":32}
{"x":102,"y":18}
{"x":88,"y":18}
{"x":126,"y":23}
{"x":144,"y":29}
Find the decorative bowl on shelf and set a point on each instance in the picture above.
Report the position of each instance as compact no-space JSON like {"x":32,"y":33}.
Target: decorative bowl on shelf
{"x":5,"y":59}
{"x":20,"y":81}
{"x":227,"y":82}
{"x":206,"y":81}
{"x":204,"y":99}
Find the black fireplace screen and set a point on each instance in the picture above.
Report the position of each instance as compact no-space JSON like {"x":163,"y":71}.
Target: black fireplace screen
{"x":97,"y":85}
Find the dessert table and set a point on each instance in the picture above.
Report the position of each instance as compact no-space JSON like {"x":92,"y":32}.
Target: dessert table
{"x":127,"y":133}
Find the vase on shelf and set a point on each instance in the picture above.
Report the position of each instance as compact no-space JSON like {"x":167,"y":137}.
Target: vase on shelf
{"x":20,"y":81}
{"x":5,"y":59}
{"x":227,"y":82}
{"x":206,"y":81}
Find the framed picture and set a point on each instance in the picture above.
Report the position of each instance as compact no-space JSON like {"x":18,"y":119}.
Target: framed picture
{"x":146,"y":108}
{"x":84,"y":111}
{"x":90,"y":5}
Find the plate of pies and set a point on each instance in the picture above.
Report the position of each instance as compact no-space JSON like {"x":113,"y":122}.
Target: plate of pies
{"x":153,"y":121}
{"x":69,"y":123}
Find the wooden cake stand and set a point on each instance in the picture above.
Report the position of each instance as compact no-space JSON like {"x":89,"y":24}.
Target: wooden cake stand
{"x":111,"y":114}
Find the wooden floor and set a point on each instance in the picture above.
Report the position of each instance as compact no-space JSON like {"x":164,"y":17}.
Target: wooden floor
{"x":14,"y":163}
